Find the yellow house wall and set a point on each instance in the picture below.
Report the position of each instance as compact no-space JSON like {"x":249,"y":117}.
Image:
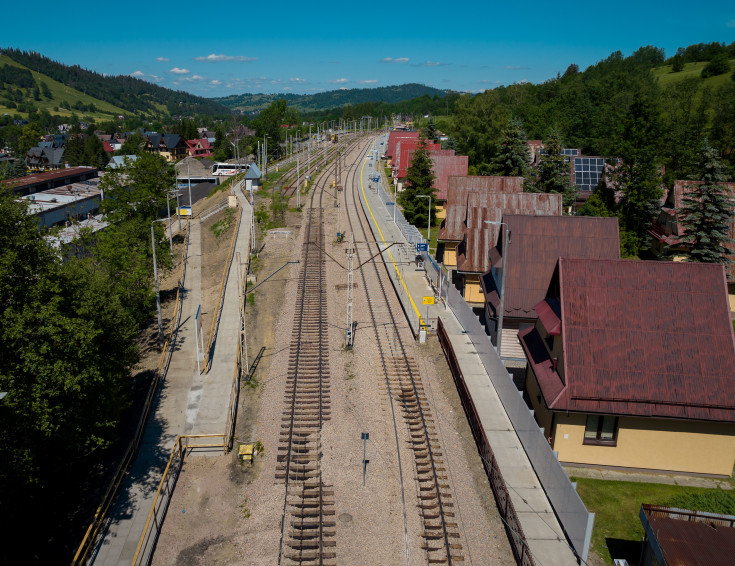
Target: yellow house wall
{"x":441,"y":212}
{"x":472,"y":290}
{"x":450,"y":254}
{"x":658,"y":444}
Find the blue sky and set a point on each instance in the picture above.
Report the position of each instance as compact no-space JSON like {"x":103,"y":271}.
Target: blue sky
{"x":306,"y":47}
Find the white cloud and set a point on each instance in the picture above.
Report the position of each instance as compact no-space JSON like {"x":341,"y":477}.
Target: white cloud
{"x":297,"y":80}
{"x":515,"y":68}
{"x":433,"y":64}
{"x":177,"y":71}
{"x":145,"y":76}
{"x":287,"y":88}
{"x":392,"y":60}
{"x":215,"y":82}
{"x":339,"y":81}
{"x":212,"y":58}
{"x":162,"y":59}
{"x":197,"y":77}
{"x":367,"y":82}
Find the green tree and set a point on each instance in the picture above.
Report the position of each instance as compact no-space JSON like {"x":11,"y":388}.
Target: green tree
{"x":94,"y":152}
{"x":554,"y":171}
{"x":419,"y":184}
{"x":638,"y":178}
{"x":74,"y":150}
{"x":133,"y":145}
{"x":514,"y":157}
{"x":139,"y":189}
{"x":719,"y":65}
{"x":706,"y":212}
{"x":29,"y":137}
{"x":677,"y":64}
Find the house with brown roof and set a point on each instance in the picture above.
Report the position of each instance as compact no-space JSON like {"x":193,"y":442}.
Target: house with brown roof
{"x":171,"y":146}
{"x":630,"y":364}
{"x":534,"y":245}
{"x":470,"y":231}
{"x":667,"y":230}
{"x":676,"y":537}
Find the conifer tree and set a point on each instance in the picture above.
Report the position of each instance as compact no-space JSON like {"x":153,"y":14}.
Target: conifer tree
{"x":514,"y":156}
{"x":706,"y":211}
{"x":419,"y":181}
{"x":554,"y":171}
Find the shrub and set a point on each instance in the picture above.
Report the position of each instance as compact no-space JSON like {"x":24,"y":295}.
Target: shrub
{"x":719,"y":65}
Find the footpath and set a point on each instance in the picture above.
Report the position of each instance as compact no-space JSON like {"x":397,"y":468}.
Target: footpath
{"x":545,"y":537}
{"x":188,"y":402}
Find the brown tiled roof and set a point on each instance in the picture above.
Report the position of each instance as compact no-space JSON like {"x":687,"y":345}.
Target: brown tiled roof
{"x":643,"y":338}
{"x":479,"y":238}
{"x":536,"y":242}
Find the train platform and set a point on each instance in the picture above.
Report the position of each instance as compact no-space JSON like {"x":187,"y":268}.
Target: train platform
{"x":545,"y":538}
{"x":189,"y":401}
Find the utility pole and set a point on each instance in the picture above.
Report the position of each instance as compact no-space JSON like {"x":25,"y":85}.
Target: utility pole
{"x":349,"y":336}
{"x":298,"y":185}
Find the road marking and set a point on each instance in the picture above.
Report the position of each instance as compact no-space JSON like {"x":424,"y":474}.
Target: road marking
{"x":410,"y":298}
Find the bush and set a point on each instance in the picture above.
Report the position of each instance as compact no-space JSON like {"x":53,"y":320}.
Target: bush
{"x":719,"y":65}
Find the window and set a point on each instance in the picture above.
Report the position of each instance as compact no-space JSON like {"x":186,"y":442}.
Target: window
{"x":601,"y":430}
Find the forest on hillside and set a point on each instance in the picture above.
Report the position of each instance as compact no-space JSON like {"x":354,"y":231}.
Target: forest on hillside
{"x":589,"y":109}
{"x":128,"y":92}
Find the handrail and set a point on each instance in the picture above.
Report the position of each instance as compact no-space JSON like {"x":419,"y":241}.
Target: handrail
{"x":215,"y":318}
{"x":93,"y":531}
{"x":165,"y":489}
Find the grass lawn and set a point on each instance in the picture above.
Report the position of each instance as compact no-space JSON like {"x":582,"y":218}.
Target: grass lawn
{"x":616,"y":505}
{"x":691,"y":71}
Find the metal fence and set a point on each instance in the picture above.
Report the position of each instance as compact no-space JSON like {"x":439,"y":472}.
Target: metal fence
{"x":573,"y":515}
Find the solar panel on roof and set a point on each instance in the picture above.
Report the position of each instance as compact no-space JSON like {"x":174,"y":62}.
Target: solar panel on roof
{"x":587,"y":172}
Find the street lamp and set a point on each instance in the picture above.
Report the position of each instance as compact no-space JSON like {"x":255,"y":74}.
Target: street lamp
{"x":428,"y":227}
{"x":502,"y":279}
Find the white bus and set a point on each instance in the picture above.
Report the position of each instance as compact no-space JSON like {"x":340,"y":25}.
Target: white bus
{"x":219,"y":169}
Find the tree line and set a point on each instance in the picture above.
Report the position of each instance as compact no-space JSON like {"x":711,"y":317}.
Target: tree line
{"x":68,"y":342}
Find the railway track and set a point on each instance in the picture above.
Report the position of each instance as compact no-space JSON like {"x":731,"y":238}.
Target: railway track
{"x":406,"y":392}
{"x":308,"y":527}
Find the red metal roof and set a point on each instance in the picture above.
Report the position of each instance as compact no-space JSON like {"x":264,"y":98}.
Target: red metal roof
{"x":453,"y":226}
{"x":47,"y":176}
{"x":535,"y":245}
{"x":404,"y":153}
{"x":393,"y":138}
{"x":644,"y":338}
{"x":446,"y":166}
{"x":690,"y":538}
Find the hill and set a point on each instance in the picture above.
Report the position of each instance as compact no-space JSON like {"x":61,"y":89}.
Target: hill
{"x":251,"y":103}
{"x":123,"y":93}
{"x":666,"y":76}
{"x":22,"y":90}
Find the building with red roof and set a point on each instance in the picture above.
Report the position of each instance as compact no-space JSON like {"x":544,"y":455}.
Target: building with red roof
{"x":534,"y":245}
{"x":667,"y":230}
{"x":466,"y":235}
{"x":630,"y":364}
{"x":199,"y":148}
{"x":394,"y":137}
